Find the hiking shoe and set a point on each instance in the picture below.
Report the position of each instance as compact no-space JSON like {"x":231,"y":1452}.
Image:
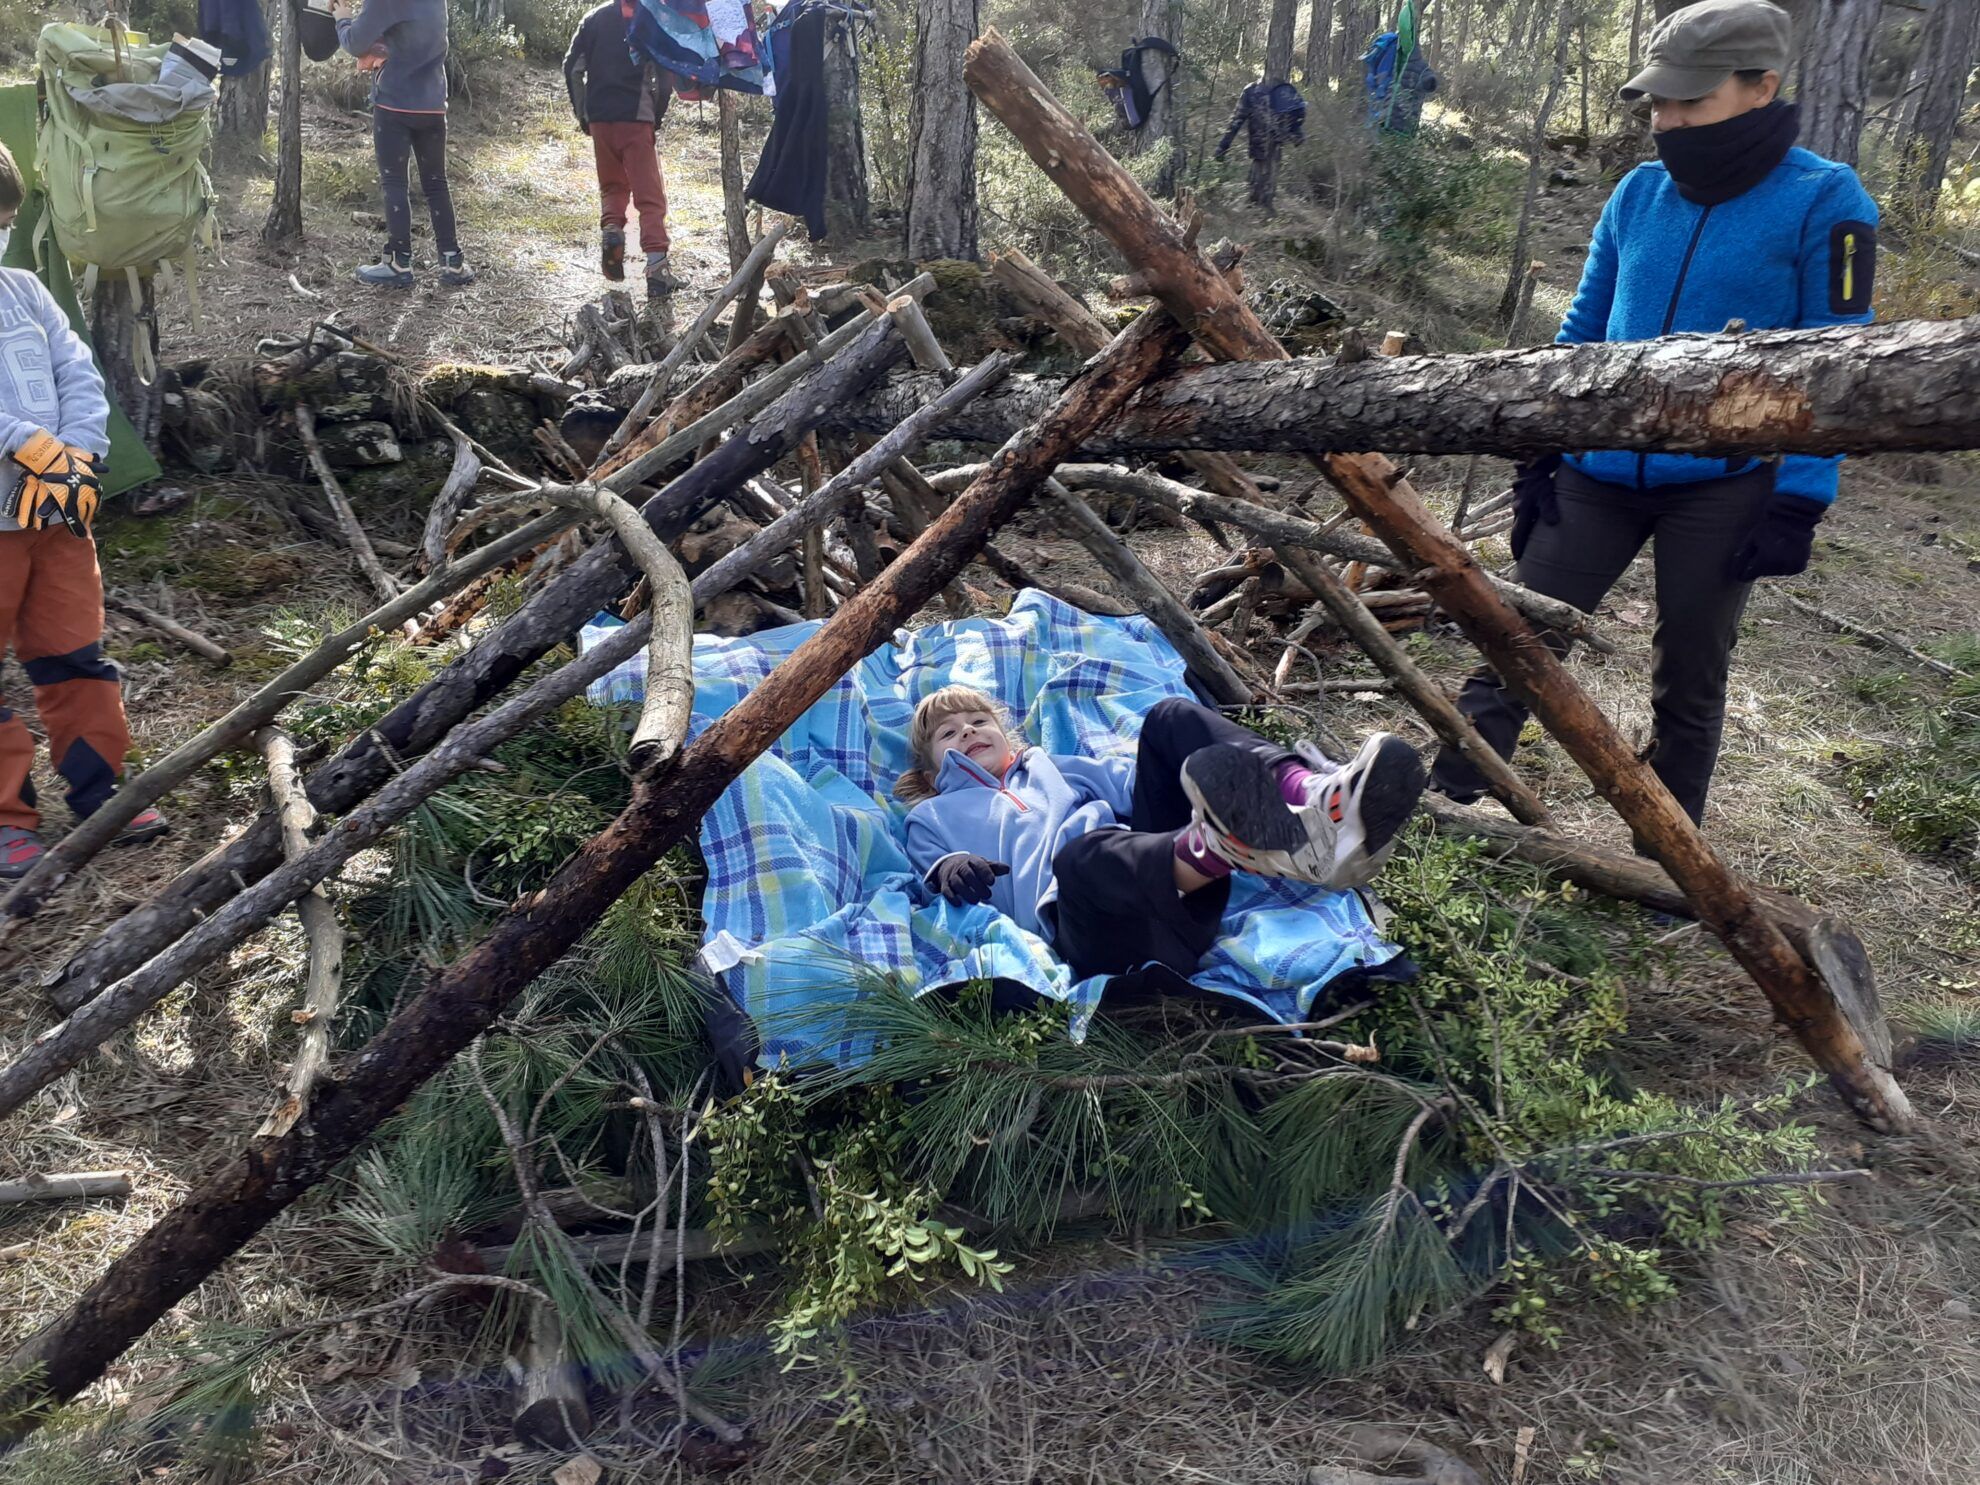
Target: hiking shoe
{"x":1237,"y":803}
{"x":660,"y":280}
{"x":612,"y":256}
{"x":146,"y":825}
{"x":19,"y":850}
{"x":391,"y":271}
{"x":1349,"y":822}
{"x":454,"y":270}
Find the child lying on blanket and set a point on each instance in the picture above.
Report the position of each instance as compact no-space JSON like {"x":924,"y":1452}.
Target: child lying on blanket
{"x":1120,"y":864}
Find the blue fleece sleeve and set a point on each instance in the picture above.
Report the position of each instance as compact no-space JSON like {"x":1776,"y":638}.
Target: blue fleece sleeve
{"x":84,"y":421}
{"x":1587,"y":321}
{"x":1109,"y":780}
{"x":925,"y":842}
{"x":1838,"y":270}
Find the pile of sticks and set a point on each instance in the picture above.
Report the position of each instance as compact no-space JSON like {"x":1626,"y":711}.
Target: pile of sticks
{"x":864,"y":539}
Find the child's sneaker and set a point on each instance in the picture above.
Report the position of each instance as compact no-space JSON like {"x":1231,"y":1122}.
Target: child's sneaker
{"x":19,"y":850}
{"x":146,"y":825}
{"x":660,"y":280}
{"x":1237,"y":801}
{"x":612,"y":256}
{"x":454,"y":270}
{"x":1353,"y":814}
{"x":391,"y":271}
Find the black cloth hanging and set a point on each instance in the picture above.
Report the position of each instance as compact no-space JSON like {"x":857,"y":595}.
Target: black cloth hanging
{"x":791,"y":173}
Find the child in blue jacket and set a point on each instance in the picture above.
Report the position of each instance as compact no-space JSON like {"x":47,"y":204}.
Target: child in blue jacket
{"x":1119,"y":864}
{"x":1730,"y":222}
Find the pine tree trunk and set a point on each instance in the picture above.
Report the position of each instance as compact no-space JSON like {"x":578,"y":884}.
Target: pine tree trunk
{"x":1278,"y":68}
{"x":735,"y":212}
{"x":1945,"y":63}
{"x":1635,"y":36}
{"x":1319,"y":33}
{"x":941,"y":192}
{"x":118,"y":324}
{"x":1536,"y":163}
{"x":285,"y":222}
{"x":1835,"y":74}
{"x":848,"y":203}
{"x":1167,"y":108}
{"x":243,"y":108}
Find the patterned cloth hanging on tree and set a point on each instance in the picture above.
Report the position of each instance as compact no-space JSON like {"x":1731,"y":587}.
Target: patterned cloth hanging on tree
{"x":706,"y":44}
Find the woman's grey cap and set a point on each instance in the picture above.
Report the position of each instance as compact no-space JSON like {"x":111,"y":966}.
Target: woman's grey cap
{"x":1692,"y":51}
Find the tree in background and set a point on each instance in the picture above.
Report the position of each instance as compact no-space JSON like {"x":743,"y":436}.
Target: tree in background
{"x":284,"y":222}
{"x":1837,"y":36}
{"x":1167,"y":105}
{"x":243,"y":110}
{"x":1945,"y":64}
{"x":941,"y":183}
{"x":848,"y":202}
{"x":1319,"y":36}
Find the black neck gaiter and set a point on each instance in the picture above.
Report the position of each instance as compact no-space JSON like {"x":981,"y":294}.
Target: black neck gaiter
{"x":1712,"y":163}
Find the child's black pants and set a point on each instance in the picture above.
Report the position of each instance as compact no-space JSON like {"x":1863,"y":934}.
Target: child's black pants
{"x":1118,"y":906}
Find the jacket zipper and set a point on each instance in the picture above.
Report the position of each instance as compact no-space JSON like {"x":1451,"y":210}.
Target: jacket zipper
{"x":1670,"y":318}
{"x":1849,"y":267}
{"x":983,"y":777}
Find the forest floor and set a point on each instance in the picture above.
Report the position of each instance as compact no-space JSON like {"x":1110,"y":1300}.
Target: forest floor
{"x":1841,"y":1348}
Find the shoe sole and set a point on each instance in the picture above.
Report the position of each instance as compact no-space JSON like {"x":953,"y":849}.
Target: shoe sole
{"x":1239,"y":795}
{"x":1389,"y":792}
{"x":141,"y":837}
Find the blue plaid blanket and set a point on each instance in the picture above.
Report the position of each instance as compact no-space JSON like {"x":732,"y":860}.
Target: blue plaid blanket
{"x":811,"y":901}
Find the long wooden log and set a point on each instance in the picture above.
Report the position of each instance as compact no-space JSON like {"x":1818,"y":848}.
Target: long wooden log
{"x":1912,"y":384}
{"x":172,"y":629}
{"x":1145,"y":590}
{"x":386,"y":586}
{"x":1377,"y":492}
{"x":236,"y":1200}
{"x":137,"y":794}
{"x":75,"y":1185}
{"x":548,"y":619}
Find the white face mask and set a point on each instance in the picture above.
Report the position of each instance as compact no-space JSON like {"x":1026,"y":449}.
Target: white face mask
{"x":5,"y":233}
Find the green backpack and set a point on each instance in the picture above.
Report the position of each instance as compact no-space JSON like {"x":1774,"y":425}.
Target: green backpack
{"x":124,"y":196}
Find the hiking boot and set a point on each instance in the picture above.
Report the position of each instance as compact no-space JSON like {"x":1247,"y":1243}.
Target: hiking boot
{"x":1350,"y":820}
{"x":146,"y":825}
{"x":454,"y":270}
{"x":19,"y":850}
{"x":391,"y":271}
{"x":660,"y":280}
{"x":612,"y":256}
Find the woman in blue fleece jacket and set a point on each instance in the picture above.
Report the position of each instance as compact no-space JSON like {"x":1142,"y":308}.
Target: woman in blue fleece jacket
{"x":1730,"y":222}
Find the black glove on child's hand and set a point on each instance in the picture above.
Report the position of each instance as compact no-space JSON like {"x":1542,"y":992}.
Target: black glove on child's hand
{"x":966,"y":879}
{"x":1780,"y":545}
{"x":1534,"y":499}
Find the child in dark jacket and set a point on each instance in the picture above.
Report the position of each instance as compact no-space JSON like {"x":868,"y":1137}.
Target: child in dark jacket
{"x":403,"y":44}
{"x":619,"y":100}
{"x":53,"y":421}
{"x":1119,"y":864}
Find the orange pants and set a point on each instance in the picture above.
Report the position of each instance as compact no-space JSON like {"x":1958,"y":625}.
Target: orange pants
{"x":628,"y":174}
{"x":51,"y":611}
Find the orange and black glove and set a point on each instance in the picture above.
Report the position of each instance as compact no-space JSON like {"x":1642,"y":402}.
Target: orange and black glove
{"x":59,"y":482}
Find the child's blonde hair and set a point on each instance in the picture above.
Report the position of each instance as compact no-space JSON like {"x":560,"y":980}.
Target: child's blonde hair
{"x":918,"y":783}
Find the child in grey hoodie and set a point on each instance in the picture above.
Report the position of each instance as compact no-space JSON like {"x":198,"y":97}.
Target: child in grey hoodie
{"x":1118,"y":864}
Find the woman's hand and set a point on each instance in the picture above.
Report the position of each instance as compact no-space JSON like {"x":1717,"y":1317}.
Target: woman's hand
{"x":1534,"y":500}
{"x":1783,"y":541}
{"x":964,"y":879}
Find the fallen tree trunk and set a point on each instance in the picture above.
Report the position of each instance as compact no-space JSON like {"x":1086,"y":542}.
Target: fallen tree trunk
{"x":1379,"y":494}
{"x":227,"y":1208}
{"x":548,"y":619}
{"x":1856,"y":389}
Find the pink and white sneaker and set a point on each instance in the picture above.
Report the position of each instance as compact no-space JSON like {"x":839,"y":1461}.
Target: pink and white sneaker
{"x":19,"y":850}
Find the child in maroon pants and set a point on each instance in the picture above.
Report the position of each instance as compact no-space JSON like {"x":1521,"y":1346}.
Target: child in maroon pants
{"x":619,"y":101}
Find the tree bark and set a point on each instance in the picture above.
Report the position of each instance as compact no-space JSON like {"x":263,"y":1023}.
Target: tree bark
{"x":123,"y":326}
{"x":1168,"y":108}
{"x":1945,"y":63}
{"x":232,"y":1204}
{"x":848,"y":202}
{"x":1907,"y":385}
{"x":548,"y":619}
{"x":1838,"y":36}
{"x":284,"y":222}
{"x":1536,"y":164}
{"x":1319,"y":31}
{"x":735,"y":211}
{"x":243,"y":106}
{"x":941,"y":184}
{"x":1380,"y":495}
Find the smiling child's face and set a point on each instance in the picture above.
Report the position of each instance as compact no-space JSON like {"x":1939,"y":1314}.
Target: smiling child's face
{"x":976,"y":735}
